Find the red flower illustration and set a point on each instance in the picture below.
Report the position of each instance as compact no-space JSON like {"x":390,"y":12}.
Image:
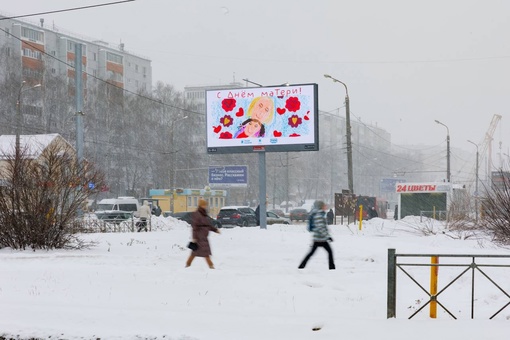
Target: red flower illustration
{"x":217,"y":128}
{"x":226,"y":120}
{"x":293,"y":104}
{"x":228,"y":104}
{"x":280,"y":111}
{"x":295,"y":121}
{"x":225,"y":135}
{"x":295,"y":135}
{"x":277,"y":133}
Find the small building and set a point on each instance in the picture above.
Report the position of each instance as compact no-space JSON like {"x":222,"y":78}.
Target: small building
{"x":182,"y":200}
{"x":423,"y":199}
{"x":32,"y":146}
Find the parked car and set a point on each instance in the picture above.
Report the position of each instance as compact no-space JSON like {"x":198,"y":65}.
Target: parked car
{"x":186,"y":217}
{"x":272,"y":218}
{"x":117,"y":209}
{"x":278,"y":212}
{"x":298,"y":214}
{"x":241,"y":216}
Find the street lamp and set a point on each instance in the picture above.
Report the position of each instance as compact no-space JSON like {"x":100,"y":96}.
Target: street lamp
{"x":476,"y":183}
{"x":173,"y":158}
{"x":18,"y":114}
{"x":348,"y":133}
{"x":448,"y":174}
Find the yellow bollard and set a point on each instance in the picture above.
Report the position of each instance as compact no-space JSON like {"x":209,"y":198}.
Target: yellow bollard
{"x":433,"y":286}
{"x":360,"y":216}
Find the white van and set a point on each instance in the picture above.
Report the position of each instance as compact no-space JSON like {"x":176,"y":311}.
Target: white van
{"x":108,"y":207}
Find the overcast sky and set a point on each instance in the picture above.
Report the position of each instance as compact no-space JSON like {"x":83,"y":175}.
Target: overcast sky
{"x":406,"y":63}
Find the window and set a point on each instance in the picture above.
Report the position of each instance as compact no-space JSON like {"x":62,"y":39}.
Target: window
{"x":71,"y":47}
{"x":136,"y":68}
{"x":32,"y":35}
{"x":32,"y":54}
{"x":114,"y":58}
{"x":116,"y":77}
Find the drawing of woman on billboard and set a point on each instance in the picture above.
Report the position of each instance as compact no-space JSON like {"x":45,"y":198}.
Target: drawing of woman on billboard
{"x":261,"y":112}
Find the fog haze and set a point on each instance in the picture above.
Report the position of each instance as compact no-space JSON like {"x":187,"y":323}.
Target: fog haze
{"x":405,"y":63}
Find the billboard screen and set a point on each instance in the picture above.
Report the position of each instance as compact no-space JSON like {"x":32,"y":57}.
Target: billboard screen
{"x":232,"y":175}
{"x":273,"y":119}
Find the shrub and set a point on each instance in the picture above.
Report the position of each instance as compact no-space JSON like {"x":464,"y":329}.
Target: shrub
{"x":41,"y":198}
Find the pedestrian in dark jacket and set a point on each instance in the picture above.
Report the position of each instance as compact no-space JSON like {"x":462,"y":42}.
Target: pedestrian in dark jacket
{"x":321,"y":237}
{"x":330,"y":216}
{"x":257,"y":214}
{"x":201,"y":227}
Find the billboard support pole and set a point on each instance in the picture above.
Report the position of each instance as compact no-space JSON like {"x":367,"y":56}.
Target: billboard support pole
{"x":262,"y":190}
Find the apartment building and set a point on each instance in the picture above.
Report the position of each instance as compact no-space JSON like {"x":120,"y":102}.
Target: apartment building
{"x":39,"y":50}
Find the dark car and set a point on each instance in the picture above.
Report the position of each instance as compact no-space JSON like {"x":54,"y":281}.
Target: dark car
{"x":186,"y":217}
{"x":241,"y":216}
{"x":298,"y":214}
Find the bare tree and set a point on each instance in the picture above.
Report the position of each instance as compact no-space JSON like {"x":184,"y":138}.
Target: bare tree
{"x":41,"y":198}
{"x":496,"y":210}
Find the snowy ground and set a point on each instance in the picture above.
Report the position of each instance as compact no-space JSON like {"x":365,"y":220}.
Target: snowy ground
{"x":135,"y":286}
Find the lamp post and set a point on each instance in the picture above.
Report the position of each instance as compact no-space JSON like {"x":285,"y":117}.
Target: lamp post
{"x":476,"y":183}
{"x":448,"y":173}
{"x":18,"y":114}
{"x":173,"y":149}
{"x":348,"y":133}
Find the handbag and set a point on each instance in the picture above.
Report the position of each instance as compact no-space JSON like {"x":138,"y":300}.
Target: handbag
{"x":193,"y":246}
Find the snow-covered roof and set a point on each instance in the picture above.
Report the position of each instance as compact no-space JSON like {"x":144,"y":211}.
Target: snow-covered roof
{"x":33,"y":144}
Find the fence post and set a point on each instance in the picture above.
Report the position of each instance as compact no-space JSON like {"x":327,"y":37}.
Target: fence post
{"x":433,"y":286}
{"x":360,"y":216}
{"x":392,"y":284}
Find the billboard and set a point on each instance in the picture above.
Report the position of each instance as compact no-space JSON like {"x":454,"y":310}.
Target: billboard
{"x":387,"y":185}
{"x":272,"y":119}
{"x":235,"y":175}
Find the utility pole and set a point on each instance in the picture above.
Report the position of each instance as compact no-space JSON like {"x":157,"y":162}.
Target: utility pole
{"x":448,"y":173}
{"x":476,"y":183}
{"x":79,"y":101}
{"x":19,"y":115}
{"x":348,"y":134}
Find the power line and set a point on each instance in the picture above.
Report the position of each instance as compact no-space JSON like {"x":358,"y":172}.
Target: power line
{"x":66,"y":10}
{"x":102,"y":80}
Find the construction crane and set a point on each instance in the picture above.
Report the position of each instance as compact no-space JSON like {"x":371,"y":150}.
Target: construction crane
{"x":485,"y":150}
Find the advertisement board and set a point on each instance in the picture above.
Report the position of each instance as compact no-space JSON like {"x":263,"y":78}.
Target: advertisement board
{"x":262,"y":119}
{"x":235,"y":175}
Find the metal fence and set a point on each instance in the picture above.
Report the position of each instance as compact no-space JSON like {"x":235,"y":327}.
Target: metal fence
{"x":110,"y":226}
{"x":467,"y":263}
{"x":440,"y":215}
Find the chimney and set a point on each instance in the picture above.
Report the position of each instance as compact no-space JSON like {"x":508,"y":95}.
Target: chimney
{"x":42,"y":22}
